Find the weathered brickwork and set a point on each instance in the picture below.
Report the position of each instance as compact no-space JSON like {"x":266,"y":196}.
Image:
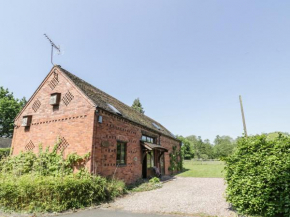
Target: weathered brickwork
{"x":75,"y":122}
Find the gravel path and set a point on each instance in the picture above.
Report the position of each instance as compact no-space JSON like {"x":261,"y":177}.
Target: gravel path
{"x":185,"y":196}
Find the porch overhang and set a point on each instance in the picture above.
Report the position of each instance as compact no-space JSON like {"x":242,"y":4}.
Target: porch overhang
{"x":150,"y":147}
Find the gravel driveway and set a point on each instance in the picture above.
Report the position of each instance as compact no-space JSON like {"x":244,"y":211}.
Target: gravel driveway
{"x":185,"y":196}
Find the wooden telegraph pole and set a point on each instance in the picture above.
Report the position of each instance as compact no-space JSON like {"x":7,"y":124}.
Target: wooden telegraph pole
{"x":243,"y":116}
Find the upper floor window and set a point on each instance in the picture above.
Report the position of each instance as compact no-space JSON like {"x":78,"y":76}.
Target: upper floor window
{"x":54,"y":99}
{"x":26,"y":121}
{"x":148,"y":139}
{"x":121,"y":153}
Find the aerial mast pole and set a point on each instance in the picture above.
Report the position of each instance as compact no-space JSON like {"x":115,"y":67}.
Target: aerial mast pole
{"x":52,"y":46}
{"x":243,"y":117}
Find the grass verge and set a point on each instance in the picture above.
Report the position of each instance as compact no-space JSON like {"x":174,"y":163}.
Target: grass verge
{"x":203,"y":169}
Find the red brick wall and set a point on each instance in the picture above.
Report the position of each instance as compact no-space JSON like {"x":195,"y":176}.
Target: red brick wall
{"x":168,"y":143}
{"x":112,"y":129}
{"x":73,"y":121}
{"x":77,"y":123}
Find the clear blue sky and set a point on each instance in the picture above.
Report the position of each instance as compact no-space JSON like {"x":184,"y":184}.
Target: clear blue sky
{"x":187,"y":60}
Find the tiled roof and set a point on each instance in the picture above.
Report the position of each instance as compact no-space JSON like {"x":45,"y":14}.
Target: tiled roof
{"x":104,"y":100}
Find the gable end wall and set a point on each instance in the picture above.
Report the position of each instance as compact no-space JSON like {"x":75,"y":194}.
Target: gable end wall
{"x":72,"y":121}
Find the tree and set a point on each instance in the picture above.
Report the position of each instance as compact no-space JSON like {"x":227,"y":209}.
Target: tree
{"x":192,"y":139}
{"x":187,"y":148}
{"x":9,"y":108}
{"x":138,"y":106}
{"x":201,"y":148}
{"x":208,"y":150}
{"x":223,"y":146}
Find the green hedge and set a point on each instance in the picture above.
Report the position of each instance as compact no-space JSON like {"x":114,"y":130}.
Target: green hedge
{"x":4,"y":152}
{"x":258,"y":176}
{"x":47,"y":182}
{"x":54,"y":194}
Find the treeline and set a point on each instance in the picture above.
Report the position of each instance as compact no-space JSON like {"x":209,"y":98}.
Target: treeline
{"x":197,"y":148}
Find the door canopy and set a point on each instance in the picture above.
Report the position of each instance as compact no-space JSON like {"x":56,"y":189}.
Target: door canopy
{"x":150,"y":147}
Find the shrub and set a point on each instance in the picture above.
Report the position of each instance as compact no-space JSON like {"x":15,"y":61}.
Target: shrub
{"x":204,"y":156}
{"x":154,"y":180}
{"x":4,"y":152}
{"x":176,"y":160}
{"x":46,"y":182}
{"x":143,"y":185}
{"x":258,"y":176}
{"x":44,"y":163}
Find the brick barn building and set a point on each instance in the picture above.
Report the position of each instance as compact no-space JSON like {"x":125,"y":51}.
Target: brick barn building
{"x":86,"y":119}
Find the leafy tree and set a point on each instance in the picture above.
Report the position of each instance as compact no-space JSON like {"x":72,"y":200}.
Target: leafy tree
{"x":192,"y":139}
{"x":138,"y":106}
{"x":187,"y":148}
{"x":223,"y":146}
{"x":9,"y":108}
{"x":208,"y":149}
{"x":201,"y":147}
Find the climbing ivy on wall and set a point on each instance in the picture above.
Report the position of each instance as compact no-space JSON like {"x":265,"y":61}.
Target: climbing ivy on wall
{"x":176,"y":163}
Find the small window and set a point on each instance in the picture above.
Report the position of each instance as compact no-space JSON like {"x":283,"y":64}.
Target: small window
{"x":26,"y":121}
{"x":147,"y":139}
{"x":121,"y":153}
{"x":54,"y":99}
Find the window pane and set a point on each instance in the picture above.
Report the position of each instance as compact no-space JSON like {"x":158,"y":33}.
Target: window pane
{"x":143,"y":138}
{"x":148,"y":160}
{"x":152,"y":159}
{"x":118,"y":153}
{"x":123,"y":153}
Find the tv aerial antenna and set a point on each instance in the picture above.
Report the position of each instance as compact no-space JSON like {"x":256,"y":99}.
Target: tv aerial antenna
{"x":53,"y":46}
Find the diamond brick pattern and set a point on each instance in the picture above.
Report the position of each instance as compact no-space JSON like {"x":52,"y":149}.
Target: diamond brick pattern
{"x":63,"y":144}
{"x":36,"y":105}
{"x":54,"y":82}
{"x":30,"y":146}
{"x":68,"y":97}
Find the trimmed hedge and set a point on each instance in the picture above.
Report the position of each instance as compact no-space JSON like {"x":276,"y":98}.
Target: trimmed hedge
{"x":258,"y":176}
{"x":4,"y":152}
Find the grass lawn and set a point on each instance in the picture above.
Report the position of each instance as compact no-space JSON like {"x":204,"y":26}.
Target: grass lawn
{"x":203,"y":169}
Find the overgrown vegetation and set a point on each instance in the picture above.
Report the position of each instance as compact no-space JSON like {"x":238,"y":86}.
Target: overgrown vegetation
{"x":258,"y":176}
{"x":4,"y":152}
{"x":144,"y":185}
{"x":46,"y":182}
{"x":176,"y":160}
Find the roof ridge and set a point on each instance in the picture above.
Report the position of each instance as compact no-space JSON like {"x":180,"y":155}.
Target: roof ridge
{"x":109,"y":95}
{"x":103,"y":99}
